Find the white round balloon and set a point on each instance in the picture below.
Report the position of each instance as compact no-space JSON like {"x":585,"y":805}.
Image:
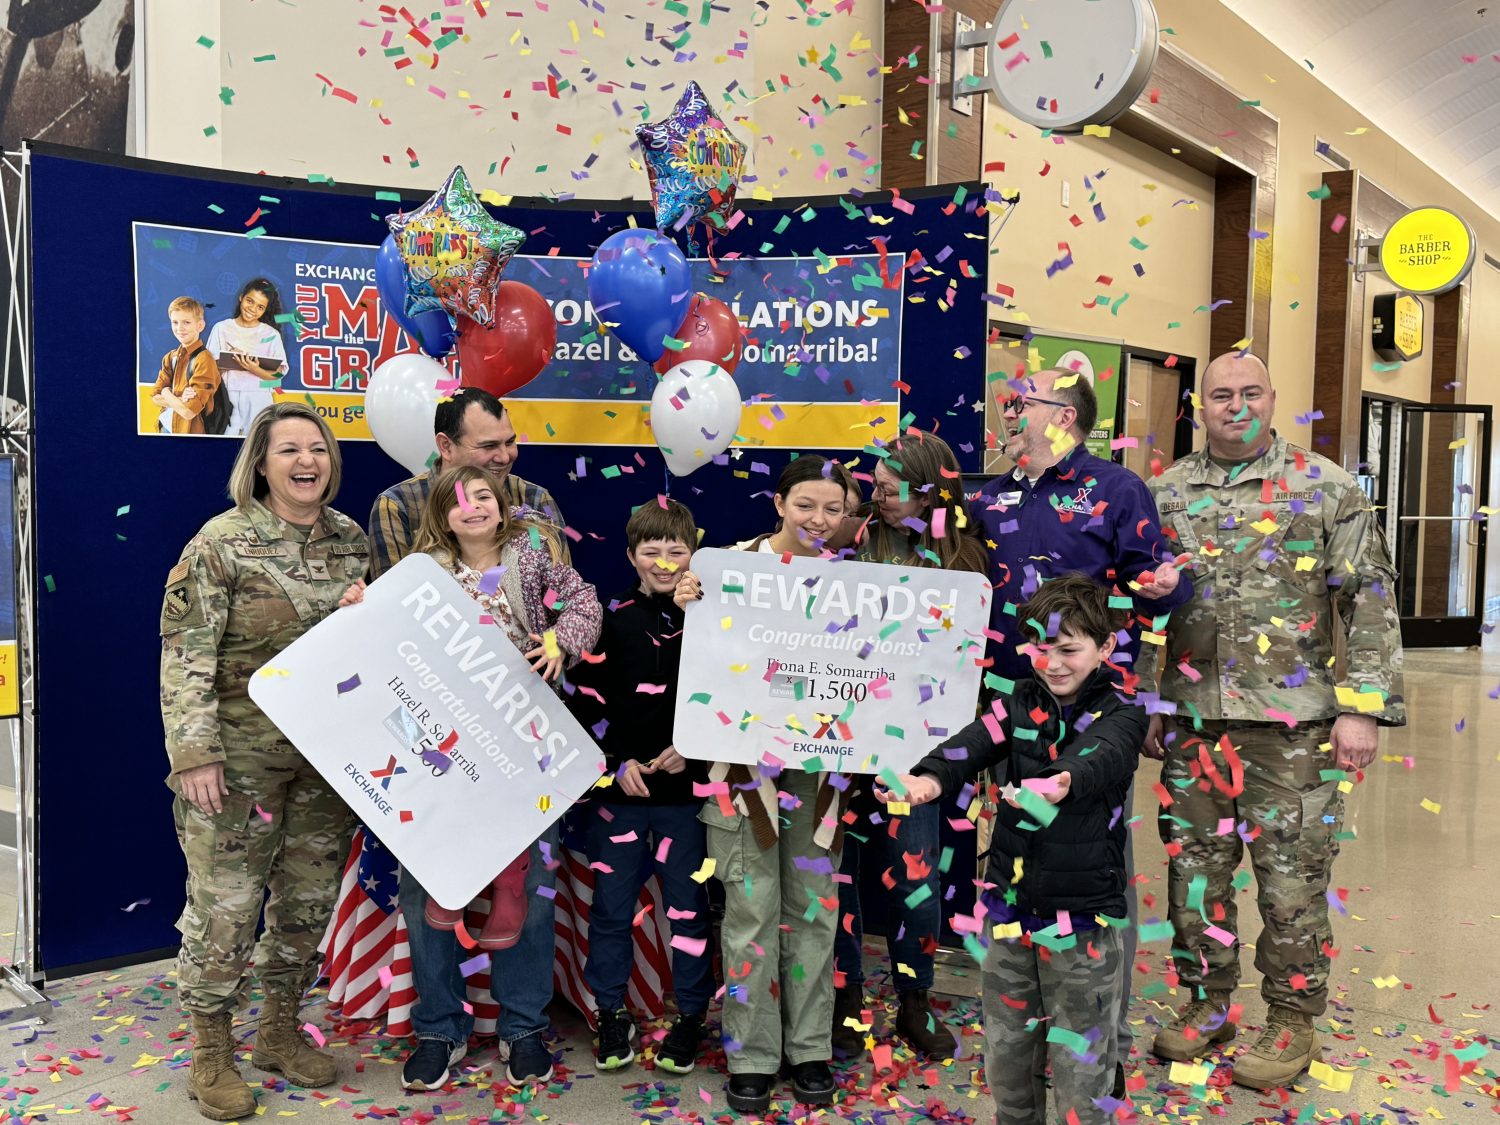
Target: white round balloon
{"x":400,"y":400}
{"x":694,"y":414}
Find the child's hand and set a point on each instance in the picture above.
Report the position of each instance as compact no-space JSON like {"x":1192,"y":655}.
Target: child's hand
{"x":190,"y":394}
{"x":632,"y":784}
{"x":689,"y":589}
{"x":548,"y":667}
{"x":919,"y":790}
{"x":668,"y":761}
{"x":354,"y":594}
{"x":1052,"y":789}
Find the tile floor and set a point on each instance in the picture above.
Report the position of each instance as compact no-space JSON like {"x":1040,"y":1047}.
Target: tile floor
{"x":1415,"y":981}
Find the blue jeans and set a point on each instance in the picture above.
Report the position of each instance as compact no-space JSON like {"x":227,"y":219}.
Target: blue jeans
{"x":520,"y":977}
{"x":616,"y":892}
{"x":917,"y":834}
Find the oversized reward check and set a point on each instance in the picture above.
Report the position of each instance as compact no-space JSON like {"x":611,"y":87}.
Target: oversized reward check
{"x":848,"y":666}
{"x":420,"y":713}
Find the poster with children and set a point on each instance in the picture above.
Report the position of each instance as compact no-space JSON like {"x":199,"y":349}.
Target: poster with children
{"x":432,"y":726}
{"x":827,"y":665}
{"x":227,"y":322}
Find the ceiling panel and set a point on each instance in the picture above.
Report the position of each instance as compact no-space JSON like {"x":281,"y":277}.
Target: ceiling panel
{"x":1400,"y":64}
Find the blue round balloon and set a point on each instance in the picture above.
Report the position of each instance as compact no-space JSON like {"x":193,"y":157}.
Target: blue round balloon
{"x":432,"y":330}
{"x":640,"y":286}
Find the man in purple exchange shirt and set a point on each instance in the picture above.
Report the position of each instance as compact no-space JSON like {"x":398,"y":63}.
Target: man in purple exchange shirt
{"x":1063,"y":510}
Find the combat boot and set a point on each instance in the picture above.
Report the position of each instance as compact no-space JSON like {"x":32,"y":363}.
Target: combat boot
{"x":918,"y":1024}
{"x":1284,"y":1050}
{"x":847,"y":1004}
{"x":279,"y":1045}
{"x":1199,"y":1025}
{"x":216,"y":1083}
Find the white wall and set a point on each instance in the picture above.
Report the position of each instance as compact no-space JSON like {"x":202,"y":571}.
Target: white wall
{"x":482,"y":101}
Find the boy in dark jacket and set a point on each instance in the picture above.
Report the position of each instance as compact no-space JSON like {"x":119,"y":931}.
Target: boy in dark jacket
{"x":648,"y":813}
{"x":1065,"y":745}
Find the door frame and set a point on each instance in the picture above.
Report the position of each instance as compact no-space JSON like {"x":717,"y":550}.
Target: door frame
{"x":1447,"y":630}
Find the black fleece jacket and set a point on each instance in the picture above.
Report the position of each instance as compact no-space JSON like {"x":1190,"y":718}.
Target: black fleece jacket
{"x":1076,"y":863}
{"x":641,"y":642}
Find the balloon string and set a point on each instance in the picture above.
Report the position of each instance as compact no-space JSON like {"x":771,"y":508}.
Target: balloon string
{"x":713,"y":262}
{"x":666,"y":482}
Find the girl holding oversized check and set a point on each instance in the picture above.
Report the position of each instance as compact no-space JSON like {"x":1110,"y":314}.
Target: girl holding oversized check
{"x":777,"y":860}
{"x":510,"y":562}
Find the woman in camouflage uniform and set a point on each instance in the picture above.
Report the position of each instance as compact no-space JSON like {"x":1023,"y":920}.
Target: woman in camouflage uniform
{"x":257,"y":824}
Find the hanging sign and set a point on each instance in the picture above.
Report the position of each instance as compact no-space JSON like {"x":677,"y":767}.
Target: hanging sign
{"x":1427,"y":250}
{"x":1069,"y":64}
{"x":1396,"y":322}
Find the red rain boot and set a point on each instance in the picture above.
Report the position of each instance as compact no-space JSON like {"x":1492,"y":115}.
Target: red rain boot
{"x":441,"y":918}
{"x":507,"y":916}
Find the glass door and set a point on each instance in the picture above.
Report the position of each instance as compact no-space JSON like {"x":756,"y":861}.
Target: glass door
{"x":1443,"y":479}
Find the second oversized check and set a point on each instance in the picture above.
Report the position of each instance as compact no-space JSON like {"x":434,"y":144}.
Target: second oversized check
{"x":864,"y":666}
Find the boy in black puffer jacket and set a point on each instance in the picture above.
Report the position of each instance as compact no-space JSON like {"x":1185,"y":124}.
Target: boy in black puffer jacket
{"x":1065,"y":744}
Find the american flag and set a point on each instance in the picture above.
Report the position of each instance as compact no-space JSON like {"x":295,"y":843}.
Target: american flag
{"x":368,"y":962}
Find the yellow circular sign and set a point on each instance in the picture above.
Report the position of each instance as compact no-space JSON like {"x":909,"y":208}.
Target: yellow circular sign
{"x":1427,"y":250}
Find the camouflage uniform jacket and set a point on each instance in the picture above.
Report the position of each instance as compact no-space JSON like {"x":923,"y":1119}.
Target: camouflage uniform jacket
{"x":244,"y":588}
{"x":1283,"y":554}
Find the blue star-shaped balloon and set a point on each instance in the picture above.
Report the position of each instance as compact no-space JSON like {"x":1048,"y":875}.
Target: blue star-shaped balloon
{"x":694,"y":162}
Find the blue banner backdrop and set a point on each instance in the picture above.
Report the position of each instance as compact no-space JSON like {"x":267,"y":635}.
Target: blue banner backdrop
{"x":825,"y":332}
{"x":114,"y":507}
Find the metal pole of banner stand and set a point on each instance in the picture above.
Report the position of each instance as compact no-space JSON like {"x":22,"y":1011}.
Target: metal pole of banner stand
{"x":20,"y":975}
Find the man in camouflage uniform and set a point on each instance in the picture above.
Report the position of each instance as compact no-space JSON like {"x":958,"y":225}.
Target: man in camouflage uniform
{"x":1289,"y":558}
{"x":246,"y":586}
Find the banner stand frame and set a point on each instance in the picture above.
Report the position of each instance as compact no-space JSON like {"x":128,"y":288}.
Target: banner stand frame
{"x":22,"y":974}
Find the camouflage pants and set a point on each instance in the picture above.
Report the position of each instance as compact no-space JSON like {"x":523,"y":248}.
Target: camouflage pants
{"x":1290,"y":817}
{"x":238,"y":861}
{"x":1067,"y":990}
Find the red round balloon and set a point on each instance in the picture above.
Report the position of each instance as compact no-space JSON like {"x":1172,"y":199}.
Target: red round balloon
{"x":512,"y":352}
{"x":711,"y":331}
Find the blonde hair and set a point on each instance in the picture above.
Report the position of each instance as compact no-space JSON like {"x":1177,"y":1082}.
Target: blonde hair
{"x":247,"y":482}
{"x":434,"y":536}
{"x":187,"y":305}
{"x":927,"y":464}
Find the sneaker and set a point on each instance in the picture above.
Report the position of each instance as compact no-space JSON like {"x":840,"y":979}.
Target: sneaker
{"x":679,"y":1050}
{"x":526,"y":1060}
{"x":1200,"y":1024}
{"x":750,"y":1093}
{"x":614,"y":1049}
{"x":427,"y":1067}
{"x":812,"y":1083}
{"x":1286,"y":1047}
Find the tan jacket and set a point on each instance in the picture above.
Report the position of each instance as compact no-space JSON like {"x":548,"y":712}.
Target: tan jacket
{"x":202,"y":375}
